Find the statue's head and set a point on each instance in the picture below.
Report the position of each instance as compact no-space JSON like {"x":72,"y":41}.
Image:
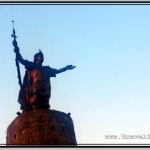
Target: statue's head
{"x":38,"y":57}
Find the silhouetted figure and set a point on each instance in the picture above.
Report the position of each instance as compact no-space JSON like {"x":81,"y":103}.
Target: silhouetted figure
{"x":36,"y":87}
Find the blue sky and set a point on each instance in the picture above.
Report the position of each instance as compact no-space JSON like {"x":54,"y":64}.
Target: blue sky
{"x":109,"y":91}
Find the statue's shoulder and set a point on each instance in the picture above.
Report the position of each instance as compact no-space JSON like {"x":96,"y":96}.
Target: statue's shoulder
{"x":48,"y":67}
{"x":51,"y":71}
{"x":29,"y":65}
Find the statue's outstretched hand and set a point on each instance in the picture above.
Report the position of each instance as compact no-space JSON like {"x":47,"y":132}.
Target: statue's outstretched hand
{"x":70,"y":67}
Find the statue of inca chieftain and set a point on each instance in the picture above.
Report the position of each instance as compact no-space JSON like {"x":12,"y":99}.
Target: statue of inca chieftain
{"x":36,"y":89}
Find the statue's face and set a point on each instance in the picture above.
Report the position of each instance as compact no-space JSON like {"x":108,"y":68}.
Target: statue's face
{"x":38,"y":60}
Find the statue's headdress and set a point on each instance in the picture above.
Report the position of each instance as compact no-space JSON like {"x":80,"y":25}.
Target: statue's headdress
{"x":39,"y":54}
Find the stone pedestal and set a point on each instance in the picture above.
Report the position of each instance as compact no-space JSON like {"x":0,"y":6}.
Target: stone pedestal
{"x":41,"y":127}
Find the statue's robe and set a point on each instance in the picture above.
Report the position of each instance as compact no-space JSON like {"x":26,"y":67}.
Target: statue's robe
{"x":36,"y":83}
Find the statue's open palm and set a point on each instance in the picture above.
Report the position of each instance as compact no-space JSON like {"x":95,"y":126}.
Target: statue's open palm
{"x":70,"y":67}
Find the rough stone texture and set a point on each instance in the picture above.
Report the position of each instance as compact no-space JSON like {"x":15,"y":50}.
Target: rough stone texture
{"x":41,"y":127}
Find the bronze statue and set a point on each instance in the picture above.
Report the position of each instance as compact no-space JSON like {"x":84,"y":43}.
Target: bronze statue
{"x":36,"y":88}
